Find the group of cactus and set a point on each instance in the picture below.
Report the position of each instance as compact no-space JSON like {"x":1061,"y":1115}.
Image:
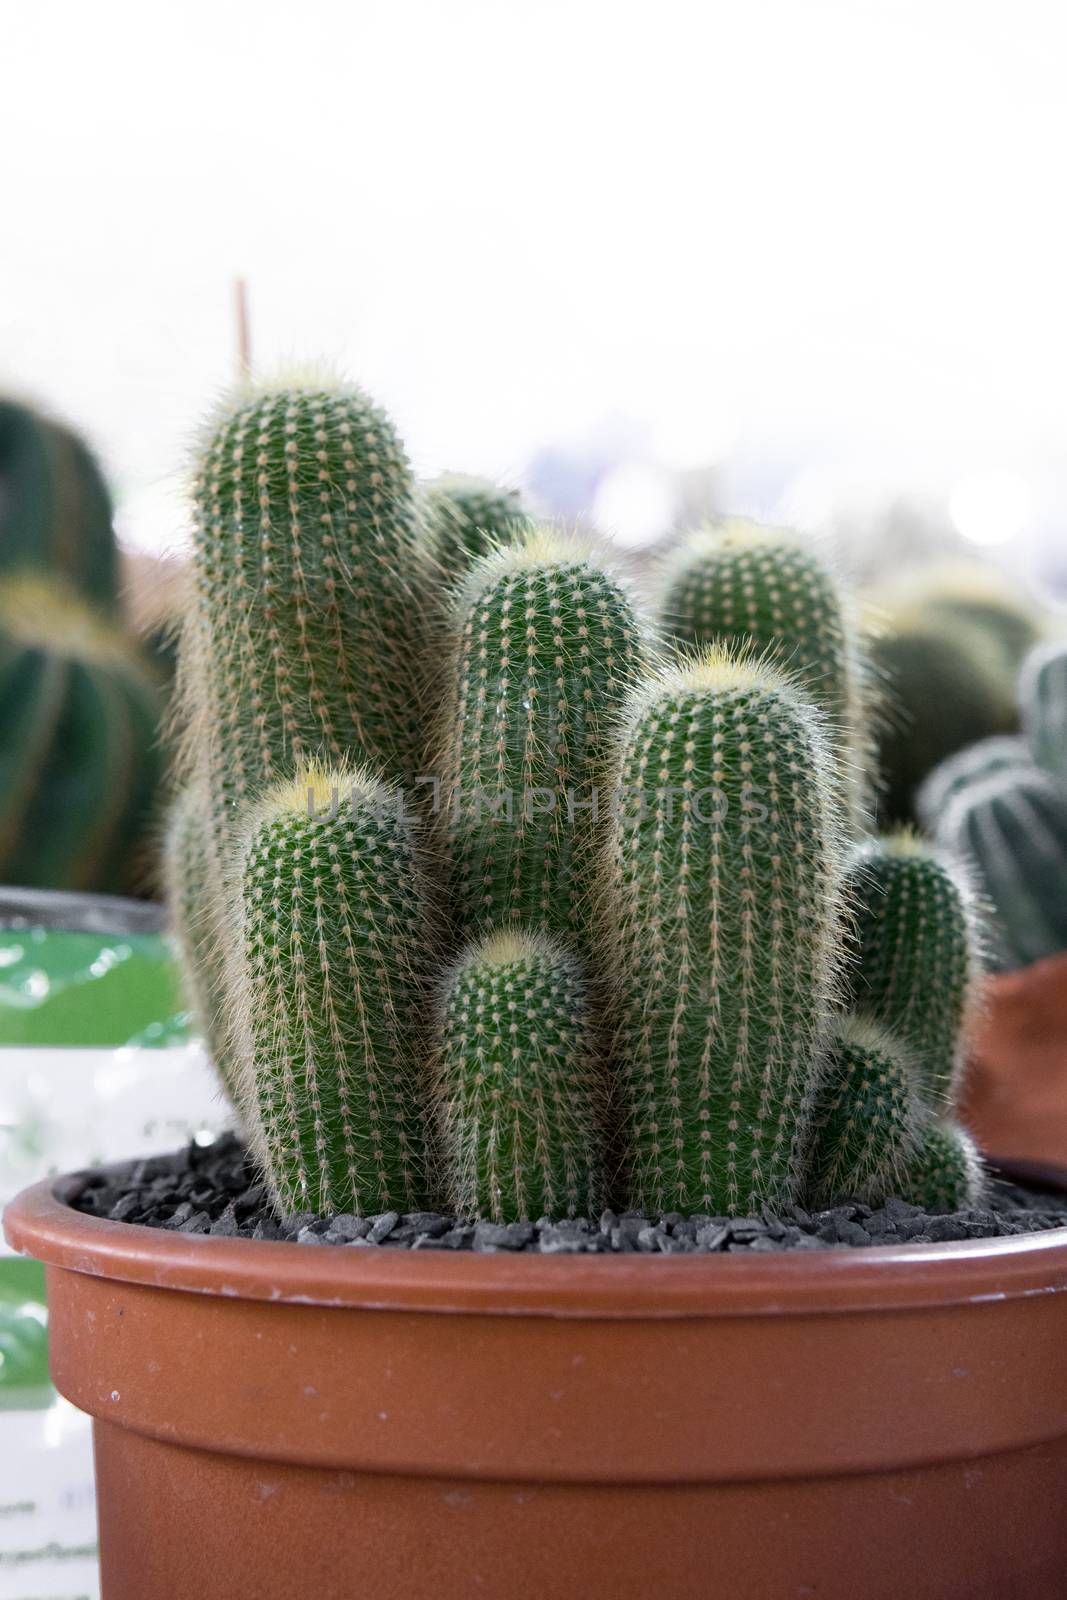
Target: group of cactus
{"x":499,"y":894}
{"x":1002,"y":802}
{"x":80,"y":707}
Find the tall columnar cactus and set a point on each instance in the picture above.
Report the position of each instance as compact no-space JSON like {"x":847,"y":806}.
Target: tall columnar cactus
{"x":332,"y":925}
{"x":520,"y":1083}
{"x":1002,"y":753}
{"x":465,"y":518}
{"x":80,"y":765}
{"x":1043,"y":699}
{"x":1013,"y":827}
{"x":547,"y":648}
{"x":867,"y":1115}
{"x":190,"y":870}
{"x":747,"y":587}
{"x":55,"y":509}
{"x":721,"y":905}
{"x":915,"y":967}
{"x":310,"y":610}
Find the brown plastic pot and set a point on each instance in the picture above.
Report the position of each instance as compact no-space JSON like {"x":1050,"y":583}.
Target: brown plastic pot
{"x":275,"y":1421}
{"x":1015,"y":1099}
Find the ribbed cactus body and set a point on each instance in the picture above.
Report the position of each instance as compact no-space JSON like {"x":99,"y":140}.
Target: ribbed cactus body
{"x":192,"y":881}
{"x":945,"y":1171}
{"x":79,"y":759}
{"x":867,"y":1116}
{"x":548,"y":647}
{"x":720,"y":904}
{"x":519,"y":1083}
{"x":55,"y":509}
{"x":746,"y":587}
{"x":305,"y":636}
{"x":465,"y":518}
{"x":1043,"y":701}
{"x":914,"y":968}
{"x":1013,"y":828}
{"x":333,"y":926}
{"x":1001,"y":753}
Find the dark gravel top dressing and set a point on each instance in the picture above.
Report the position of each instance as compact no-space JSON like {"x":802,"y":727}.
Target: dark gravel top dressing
{"x":215,"y":1189}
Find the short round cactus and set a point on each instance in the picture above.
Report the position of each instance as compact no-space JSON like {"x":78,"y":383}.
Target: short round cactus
{"x":1043,"y":699}
{"x":1004,"y":752}
{"x":945,"y":1172}
{"x":520,"y":1083}
{"x":465,"y":518}
{"x":866,"y":1116}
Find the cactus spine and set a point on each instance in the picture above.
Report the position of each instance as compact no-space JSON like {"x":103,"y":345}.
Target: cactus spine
{"x":520,"y":1083}
{"x":722,"y":906}
{"x":55,"y":512}
{"x":79,"y":763}
{"x":466,"y":518}
{"x":915,"y":970}
{"x":333,"y":924}
{"x":1043,"y":699}
{"x":305,"y":634}
{"x":547,"y":649}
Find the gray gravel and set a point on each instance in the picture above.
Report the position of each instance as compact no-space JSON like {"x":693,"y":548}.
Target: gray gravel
{"x":215,"y":1190}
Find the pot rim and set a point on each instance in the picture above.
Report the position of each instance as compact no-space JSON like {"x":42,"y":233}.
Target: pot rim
{"x":41,"y":1222}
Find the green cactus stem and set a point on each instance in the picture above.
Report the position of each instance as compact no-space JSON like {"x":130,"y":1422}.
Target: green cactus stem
{"x":720,"y":903}
{"x":867,"y":1116}
{"x":333,"y":924}
{"x":80,"y":765}
{"x":465,"y":518}
{"x":915,"y":969}
{"x":945,"y":1172}
{"x":305,"y":635}
{"x":751,"y":588}
{"x":55,"y":509}
{"x":548,"y":646}
{"x":1043,"y":700}
{"x":519,"y":1083}
{"x":1013,"y":829}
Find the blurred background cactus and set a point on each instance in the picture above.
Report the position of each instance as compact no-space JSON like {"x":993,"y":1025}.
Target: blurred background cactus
{"x":628,"y":959}
{"x":1003,"y":805}
{"x":465,"y":518}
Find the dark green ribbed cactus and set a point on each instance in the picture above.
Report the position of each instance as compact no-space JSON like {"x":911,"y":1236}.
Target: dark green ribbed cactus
{"x":1002,"y":753}
{"x":1013,"y":828}
{"x":334,"y":924}
{"x":307,"y":630}
{"x":194,"y":896}
{"x":915,"y":968}
{"x":465,"y":518}
{"x":945,"y":1172}
{"x":747,"y":587}
{"x":720,"y":902}
{"x":548,"y":645}
{"x":1043,"y":700}
{"x":55,"y":509}
{"x":520,"y":1083}
{"x":866,"y":1116}
{"x":80,"y":764}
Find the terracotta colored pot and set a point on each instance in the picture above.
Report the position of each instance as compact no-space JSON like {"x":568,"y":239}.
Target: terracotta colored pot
{"x":1016,"y":1093}
{"x":275,"y":1421}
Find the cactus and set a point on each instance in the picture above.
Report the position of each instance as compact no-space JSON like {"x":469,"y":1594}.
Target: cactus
{"x":465,"y":518}
{"x":191,"y":883}
{"x":748,"y":587}
{"x":1002,"y":753}
{"x":79,"y":760}
{"x":55,"y":510}
{"x":305,"y":636}
{"x":915,"y":969}
{"x":945,"y":1172}
{"x":331,"y":920}
{"x":867,"y":1115}
{"x":721,"y":906}
{"x":519,"y":1083}
{"x":547,"y":647}
{"x":1013,"y":828}
{"x":1043,"y":699}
